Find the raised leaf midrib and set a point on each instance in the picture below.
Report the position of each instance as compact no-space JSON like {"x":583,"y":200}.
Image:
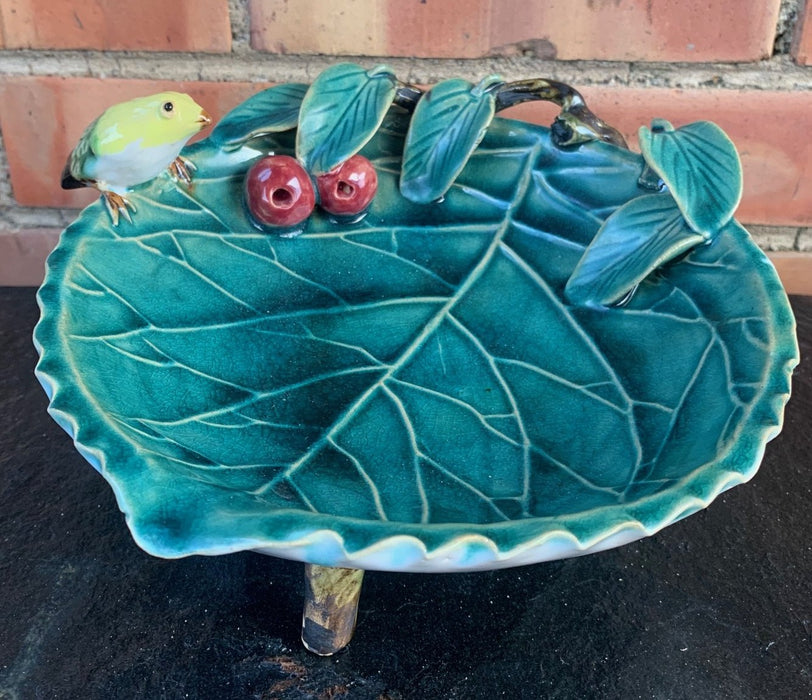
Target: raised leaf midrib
{"x":498,"y":229}
{"x":428,"y":328}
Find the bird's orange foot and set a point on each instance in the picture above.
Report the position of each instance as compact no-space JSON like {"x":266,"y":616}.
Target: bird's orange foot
{"x":118,"y":204}
{"x":181,"y":169}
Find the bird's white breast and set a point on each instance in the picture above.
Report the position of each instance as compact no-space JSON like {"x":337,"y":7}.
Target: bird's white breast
{"x":133,"y":165}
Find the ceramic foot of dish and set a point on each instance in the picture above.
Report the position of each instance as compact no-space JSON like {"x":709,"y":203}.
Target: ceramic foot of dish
{"x":330,"y":608}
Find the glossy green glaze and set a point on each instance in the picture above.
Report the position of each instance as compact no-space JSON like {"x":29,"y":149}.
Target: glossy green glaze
{"x":701,"y":182}
{"x":268,"y":112}
{"x":447,"y":125}
{"x":637,"y":239}
{"x":413,"y":391}
{"x":699,"y":164}
{"x":341,"y":112}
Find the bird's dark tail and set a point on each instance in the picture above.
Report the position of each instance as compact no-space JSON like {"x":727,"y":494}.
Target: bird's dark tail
{"x":69,"y":182}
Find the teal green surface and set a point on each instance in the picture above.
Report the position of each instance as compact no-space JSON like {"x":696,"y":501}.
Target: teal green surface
{"x":341,"y":112}
{"x":699,"y":164}
{"x":269,"y":111}
{"x":637,"y":239}
{"x":447,"y":125}
{"x":418,"y":373}
{"x":701,"y":183}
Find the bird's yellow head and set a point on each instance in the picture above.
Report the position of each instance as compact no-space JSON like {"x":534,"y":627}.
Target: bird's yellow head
{"x":156,"y":120}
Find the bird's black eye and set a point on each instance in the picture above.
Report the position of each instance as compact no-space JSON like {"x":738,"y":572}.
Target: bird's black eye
{"x":168,"y":106}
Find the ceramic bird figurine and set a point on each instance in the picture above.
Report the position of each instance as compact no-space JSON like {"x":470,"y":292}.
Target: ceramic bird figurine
{"x":133,"y":142}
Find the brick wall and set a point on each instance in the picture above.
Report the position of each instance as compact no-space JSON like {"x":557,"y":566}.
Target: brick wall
{"x":745,"y":64}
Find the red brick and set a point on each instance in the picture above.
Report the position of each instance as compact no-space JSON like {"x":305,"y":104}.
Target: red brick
{"x":770,"y":129}
{"x":310,"y":26}
{"x":148,"y":25}
{"x":641,"y":30}
{"x":447,"y":29}
{"x":23,"y":254}
{"x":42,"y":119}
{"x":795,"y":271}
{"x":622,"y":30}
{"x":802,"y":44}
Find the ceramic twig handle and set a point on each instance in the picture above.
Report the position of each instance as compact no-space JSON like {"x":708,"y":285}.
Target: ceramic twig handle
{"x":575,"y":124}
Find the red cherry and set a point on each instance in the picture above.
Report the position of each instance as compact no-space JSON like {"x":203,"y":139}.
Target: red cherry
{"x":348,"y":189}
{"x":279,"y":192}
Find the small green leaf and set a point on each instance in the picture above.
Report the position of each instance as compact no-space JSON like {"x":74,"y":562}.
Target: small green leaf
{"x":700,"y":165}
{"x":341,"y":112}
{"x":641,"y":236}
{"x":270,"y":111}
{"x":448,"y":124}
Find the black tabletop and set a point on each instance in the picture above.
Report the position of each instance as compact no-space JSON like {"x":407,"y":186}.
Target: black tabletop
{"x":716,"y":606}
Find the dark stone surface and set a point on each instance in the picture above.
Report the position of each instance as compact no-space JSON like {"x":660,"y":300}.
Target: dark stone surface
{"x":716,"y":606}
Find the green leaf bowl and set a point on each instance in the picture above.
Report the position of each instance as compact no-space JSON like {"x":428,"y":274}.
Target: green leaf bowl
{"x":413,"y":391}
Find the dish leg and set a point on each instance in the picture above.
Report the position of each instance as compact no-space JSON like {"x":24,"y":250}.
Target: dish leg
{"x":330,"y":608}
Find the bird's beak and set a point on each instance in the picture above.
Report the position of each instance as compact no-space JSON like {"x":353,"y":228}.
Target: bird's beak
{"x":204,"y":119}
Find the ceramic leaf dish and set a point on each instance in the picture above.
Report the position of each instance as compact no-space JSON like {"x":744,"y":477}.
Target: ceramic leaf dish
{"x":535,"y":344}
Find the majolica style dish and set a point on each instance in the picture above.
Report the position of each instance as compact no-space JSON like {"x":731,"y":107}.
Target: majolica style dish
{"x":534,"y":343}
